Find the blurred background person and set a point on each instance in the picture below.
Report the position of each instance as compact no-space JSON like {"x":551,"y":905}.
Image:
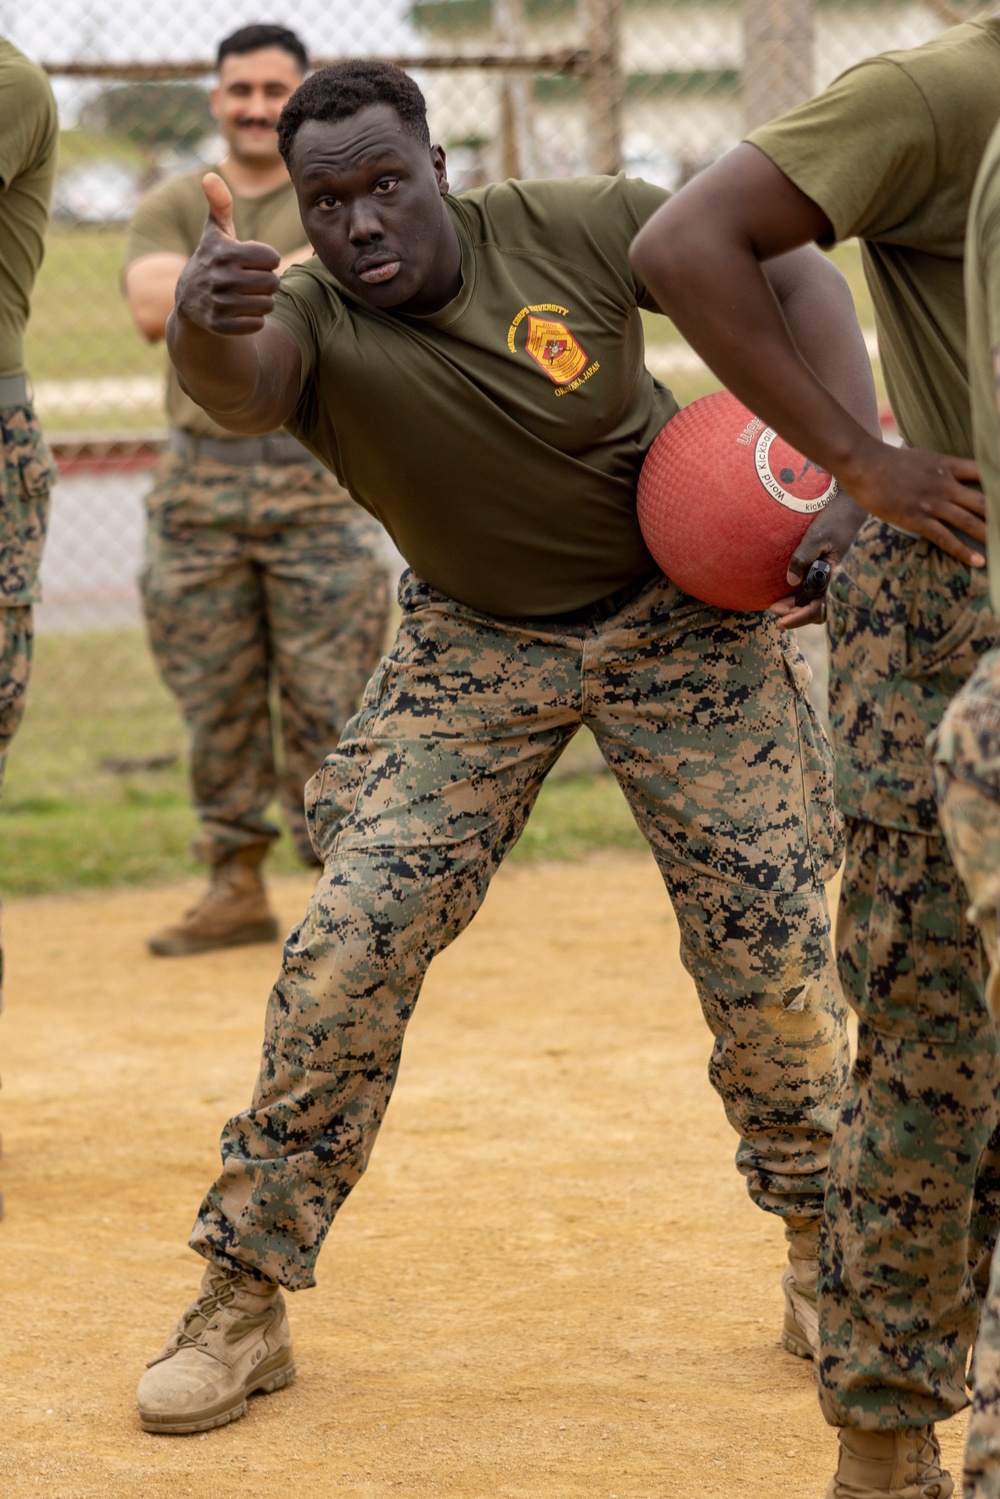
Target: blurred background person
{"x":264,"y":596}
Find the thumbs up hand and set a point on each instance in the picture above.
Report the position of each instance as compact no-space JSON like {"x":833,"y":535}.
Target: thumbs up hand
{"x":228,"y":285}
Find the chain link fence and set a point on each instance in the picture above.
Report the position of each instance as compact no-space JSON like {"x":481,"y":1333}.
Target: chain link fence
{"x":514,"y":87}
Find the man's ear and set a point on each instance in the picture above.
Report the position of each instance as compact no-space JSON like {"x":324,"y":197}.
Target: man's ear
{"x":440,"y":166}
{"x":213,"y":101}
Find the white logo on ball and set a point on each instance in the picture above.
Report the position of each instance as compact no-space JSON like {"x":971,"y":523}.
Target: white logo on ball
{"x":774,"y":486}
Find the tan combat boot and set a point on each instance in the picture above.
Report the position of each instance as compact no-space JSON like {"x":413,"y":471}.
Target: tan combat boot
{"x":901,"y":1464}
{"x":233,"y":911}
{"x":232,"y":1341}
{"x":800,"y":1328}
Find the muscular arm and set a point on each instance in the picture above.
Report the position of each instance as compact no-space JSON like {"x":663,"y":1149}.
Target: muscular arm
{"x":240,"y":367}
{"x":702,"y":256}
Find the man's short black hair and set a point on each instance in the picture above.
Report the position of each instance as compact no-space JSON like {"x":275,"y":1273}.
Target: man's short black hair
{"x":256,"y":38}
{"x":344,"y":88}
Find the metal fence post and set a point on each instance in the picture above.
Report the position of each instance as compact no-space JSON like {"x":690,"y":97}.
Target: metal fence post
{"x":778,"y":38}
{"x":603,"y":83}
{"x":518,"y":153}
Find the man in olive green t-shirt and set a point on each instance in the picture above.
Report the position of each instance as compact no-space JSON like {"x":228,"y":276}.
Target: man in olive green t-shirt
{"x":264,"y":596}
{"x":29,"y":140}
{"x":967,"y":752}
{"x":472,"y":368}
{"x":888,"y":153}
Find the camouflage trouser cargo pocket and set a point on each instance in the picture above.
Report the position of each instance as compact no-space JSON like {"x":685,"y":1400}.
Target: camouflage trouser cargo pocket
{"x":26,"y":477}
{"x":826,"y":832}
{"x":907,"y":626}
{"x":16,"y":643}
{"x":432,"y":784}
{"x":331,"y":794}
{"x":966,"y":752}
{"x":909,"y":959}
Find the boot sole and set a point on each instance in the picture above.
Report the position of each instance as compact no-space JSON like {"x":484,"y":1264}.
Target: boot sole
{"x":275,"y":1374}
{"x":241,"y":936}
{"x":793,"y":1342}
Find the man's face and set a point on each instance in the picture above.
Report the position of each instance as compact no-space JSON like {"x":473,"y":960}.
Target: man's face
{"x":370,"y":195}
{"x":249,"y":97}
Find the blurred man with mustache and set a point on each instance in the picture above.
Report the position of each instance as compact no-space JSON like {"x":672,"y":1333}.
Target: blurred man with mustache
{"x":261,"y":582}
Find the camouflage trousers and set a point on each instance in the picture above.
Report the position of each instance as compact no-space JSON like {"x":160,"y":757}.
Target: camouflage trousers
{"x":16,"y":639}
{"x":26,"y":477}
{"x":967,"y":770}
{"x":266,"y":607}
{"x":913,"y":1203}
{"x":703,"y":718}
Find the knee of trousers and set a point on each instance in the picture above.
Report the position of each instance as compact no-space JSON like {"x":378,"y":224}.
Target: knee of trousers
{"x":767,"y":980}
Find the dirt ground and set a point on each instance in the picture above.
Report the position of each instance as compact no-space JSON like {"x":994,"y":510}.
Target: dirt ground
{"x":550,"y":1283}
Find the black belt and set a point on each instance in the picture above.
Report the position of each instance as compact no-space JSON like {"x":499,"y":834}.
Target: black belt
{"x":599,"y":609}
{"x":274,"y":447}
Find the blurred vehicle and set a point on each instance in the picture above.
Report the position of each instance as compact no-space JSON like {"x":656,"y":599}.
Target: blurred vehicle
{"x":96,"y":192}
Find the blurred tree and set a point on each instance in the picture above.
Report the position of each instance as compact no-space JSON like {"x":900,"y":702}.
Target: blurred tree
{"x":152,"y":115}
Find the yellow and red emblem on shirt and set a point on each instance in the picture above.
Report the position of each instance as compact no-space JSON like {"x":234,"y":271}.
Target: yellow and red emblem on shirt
{"x":553,"y":347}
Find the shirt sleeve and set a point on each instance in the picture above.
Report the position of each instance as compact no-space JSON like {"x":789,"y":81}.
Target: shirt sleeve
{"x":310,"y":309}
{"x":989,"y":260}
{"x":864,"y":150}
{"x":158,"y":226}
{"x":642,"y":200}
{"x":29,"y":125}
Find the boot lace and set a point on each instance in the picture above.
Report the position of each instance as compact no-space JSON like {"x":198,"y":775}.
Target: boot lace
{"x":926,"y":1457}
{"x":220,"y":1292}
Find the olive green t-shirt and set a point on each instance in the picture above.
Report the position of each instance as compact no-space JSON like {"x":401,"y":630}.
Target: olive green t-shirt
{"x":982,"y":292}
{"x":171,"y":219}
{"x":29,"y":142}
{"x":499,"y":440}
{"x":890,"y":153}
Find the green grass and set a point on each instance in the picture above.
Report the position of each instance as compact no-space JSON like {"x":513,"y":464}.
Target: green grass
{"x":81,"y":329}
{"x":66,"y":823}
{"x":80,"y":324}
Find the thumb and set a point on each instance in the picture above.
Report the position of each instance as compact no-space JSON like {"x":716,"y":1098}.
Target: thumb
{"x":220,"y":203}
{"x":799,"y":563}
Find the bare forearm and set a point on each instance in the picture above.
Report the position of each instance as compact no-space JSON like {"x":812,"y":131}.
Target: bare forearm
{"x":225,"y":375}
{"x":150,"y":286}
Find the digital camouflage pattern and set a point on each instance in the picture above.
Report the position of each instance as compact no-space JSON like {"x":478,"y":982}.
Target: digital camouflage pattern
{"x":907,"y":626}
{"x":913,"y":1202}
{"x":16,"y":641}
{"x":27,"y":477}
{"x":703,"y":718}
{"x":967,"y":770}
{"x":263,"y":593}
{"x":914,"y":1193}
{"x":15,"y":664}
{"x":966,"y":751}
{"x":981,"y":1475}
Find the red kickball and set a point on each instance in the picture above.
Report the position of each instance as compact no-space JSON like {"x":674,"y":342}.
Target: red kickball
{"x":724,"y":501}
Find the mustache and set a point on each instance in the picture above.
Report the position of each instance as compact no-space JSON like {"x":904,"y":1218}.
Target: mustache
{"x":252,"y":120}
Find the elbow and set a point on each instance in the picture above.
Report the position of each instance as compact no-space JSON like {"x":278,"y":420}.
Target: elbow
{"x":150,"y":323}
{"x":663,"y":259}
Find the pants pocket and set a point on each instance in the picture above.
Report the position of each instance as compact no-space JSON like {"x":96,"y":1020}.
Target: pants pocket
{"x":909,"y":959}
{"x":824,"y":824}
{"x":332,"y":793}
